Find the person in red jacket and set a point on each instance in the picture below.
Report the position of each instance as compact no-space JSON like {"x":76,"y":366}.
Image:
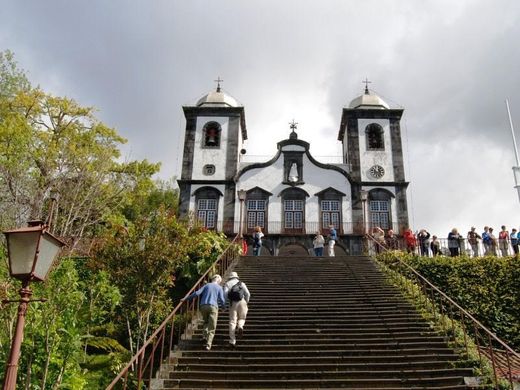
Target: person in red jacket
{"x":410,"y":240}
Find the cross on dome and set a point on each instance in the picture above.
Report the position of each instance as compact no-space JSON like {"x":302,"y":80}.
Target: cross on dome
{"x":218,"y":81}
{"x":366,"y":81}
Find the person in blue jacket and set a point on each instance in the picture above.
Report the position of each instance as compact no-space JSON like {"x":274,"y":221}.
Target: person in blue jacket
{"x":211,"y":298}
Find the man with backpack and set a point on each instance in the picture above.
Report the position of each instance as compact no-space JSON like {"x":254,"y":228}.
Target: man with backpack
{"x":238,"y":295}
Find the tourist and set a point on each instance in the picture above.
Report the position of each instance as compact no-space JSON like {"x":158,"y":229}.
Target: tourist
{"x":332,"y":237}
{"x":379,"y":238}
{"x":391,"y":240}
{"x":410,"y":240}
{"x":514,"y":240}
{"x":238,"y":295}
{"x":318,"y":242}
{"x":453,"y":242}
{"x":435,"y":246}
{"x":423,"y":238}
{"x":503,"y":241}
{"x":257,"y":241}
{"x":473,"y":238}
{"x":211,"y":298}
{"x":494,"y":243}
{"x":486,"y":241}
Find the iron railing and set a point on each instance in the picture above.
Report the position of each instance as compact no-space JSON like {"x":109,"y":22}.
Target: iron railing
{"x":143,"y":365}
{"x":500,"y":249}
{"x":303,"y":228}
{"x":503,"y":360}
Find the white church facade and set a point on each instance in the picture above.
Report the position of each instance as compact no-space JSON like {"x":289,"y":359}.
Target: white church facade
{"x":293,"y":195}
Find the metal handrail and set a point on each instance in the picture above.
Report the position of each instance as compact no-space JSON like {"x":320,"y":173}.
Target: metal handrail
{"x":145,"y":361}
{"x":489,"y":351}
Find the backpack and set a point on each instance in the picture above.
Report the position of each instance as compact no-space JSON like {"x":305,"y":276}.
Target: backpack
{"x":236,"y":293}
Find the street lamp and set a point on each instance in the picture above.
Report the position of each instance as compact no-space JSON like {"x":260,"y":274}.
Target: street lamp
{"x":363,"y":195}
{"x":241,"y":197}
{"x":31,"y":252}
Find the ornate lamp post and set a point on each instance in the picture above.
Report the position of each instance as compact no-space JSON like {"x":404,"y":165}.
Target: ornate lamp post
{"x":31,"y":252}
{"x":241,"y":197}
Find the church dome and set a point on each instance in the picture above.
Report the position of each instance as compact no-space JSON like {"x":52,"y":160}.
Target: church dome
{"x":369,"y":100}
{"x":217,"y":99}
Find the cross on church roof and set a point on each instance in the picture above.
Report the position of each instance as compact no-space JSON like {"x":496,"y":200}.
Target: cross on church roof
{"x":366,"y":84}
{"x":293,"y":125}
{"x":218,"y":81}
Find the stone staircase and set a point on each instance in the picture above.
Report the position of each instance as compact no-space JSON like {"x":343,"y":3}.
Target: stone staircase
{"x":318,"y":323}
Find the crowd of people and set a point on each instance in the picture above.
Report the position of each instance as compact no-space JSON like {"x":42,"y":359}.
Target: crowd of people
{"x":505,"y":243}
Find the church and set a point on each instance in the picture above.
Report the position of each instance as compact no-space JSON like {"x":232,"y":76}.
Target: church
{"x":293,"y":195}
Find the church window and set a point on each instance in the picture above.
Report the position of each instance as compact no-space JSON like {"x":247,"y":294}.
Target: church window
{"x":375,"y":137}
{"x":207,"y":212}
{"x":330,"y":212}
{"x":293,"y":213}
{"x":211,"y":135}
{"x":380,"y":213}
{"x":256,"y":214}
{"x":209,"y":169}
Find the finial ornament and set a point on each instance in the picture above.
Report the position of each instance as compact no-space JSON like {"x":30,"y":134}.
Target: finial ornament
{"x":293,"y":126}
{"x":366,"y":81}
{"x":218,"y":81}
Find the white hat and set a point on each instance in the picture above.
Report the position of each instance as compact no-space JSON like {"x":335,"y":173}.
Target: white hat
{"x":233,"y":275}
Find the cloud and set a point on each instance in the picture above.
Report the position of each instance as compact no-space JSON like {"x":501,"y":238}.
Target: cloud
{"x":449,"y":64}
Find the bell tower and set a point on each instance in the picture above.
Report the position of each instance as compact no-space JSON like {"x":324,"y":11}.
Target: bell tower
{"x":370,"y":132}
{"x":214,"y":135}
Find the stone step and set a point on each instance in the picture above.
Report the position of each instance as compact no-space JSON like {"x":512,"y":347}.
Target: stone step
{"x":321,"y":366}
{"x":455,"y":382}
{"x":207,"y":359}
{"x":314,"y":352}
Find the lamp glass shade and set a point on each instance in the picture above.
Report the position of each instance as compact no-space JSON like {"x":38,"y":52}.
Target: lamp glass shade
{"x":22,"y":248}
{"x":49,"y":249}
{"x":242,"y":195}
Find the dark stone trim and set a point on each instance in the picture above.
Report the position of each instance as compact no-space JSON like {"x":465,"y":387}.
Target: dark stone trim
{"x":207,"y":182}
{"x":259,"y":189}
{"x":384,"y":190}
{"x":194,"y":111}
{"x":282,"y":192}
{"x":257,"y":165}
{"x":353,"y":153}
{"x":232,"y":148}
{"x":397,"y":150}
{"x":230,"y":194}
{"x":189,"y":147}
{"x":385,"y":184}
{"x":360,"y":113}
{"x":328,"y":166}
{"x":207,"y":188}
{"x":298,"y":142}
{"x":328,"y":189}
{"x":184,"y":199}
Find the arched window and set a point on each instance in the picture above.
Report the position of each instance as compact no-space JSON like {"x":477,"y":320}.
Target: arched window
{"x":257,"y":202}
{"x":206,"y":200}
{"x":375,"y":137}
{"x":293,"y":201}
{"x":330,"y":209}
{"x":211,"y":135}
{"x":379,"y":202}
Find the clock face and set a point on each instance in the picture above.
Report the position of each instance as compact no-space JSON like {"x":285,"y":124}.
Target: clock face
{"x":377,"y":171}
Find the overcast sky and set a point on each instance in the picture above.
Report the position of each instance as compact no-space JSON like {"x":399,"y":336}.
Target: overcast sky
{"x":450,"y":64}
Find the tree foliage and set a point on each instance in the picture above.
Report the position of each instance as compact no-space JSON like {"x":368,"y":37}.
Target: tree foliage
{"x":129,"y":256}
